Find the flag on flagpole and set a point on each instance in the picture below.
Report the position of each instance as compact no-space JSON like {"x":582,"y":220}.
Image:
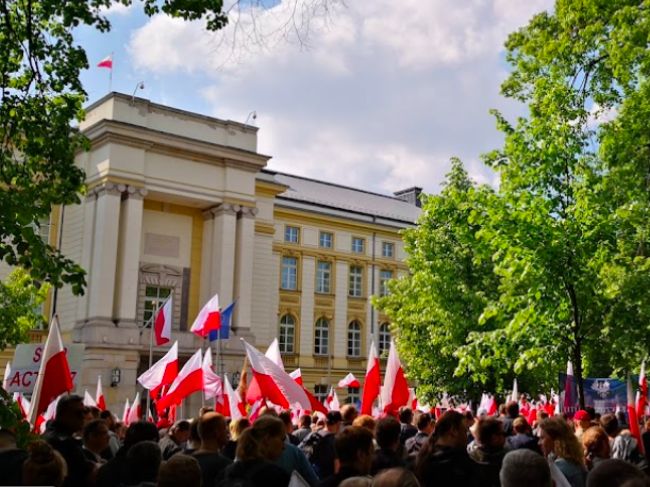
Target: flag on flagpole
{"x":253,"y":392}
{"x":188,"y":381}
{"x":135,"y":412}
{"x":163,"y":323}
{"x":88,"y":399}
{"x":349,"y":381}
{"x":395,"y":392}
{"x":212,"y":386}
{"x":233,"y":401}
{"x":226,"y":319}
{"x":642,"y":395}
{"x":49,"y":414}
{"x":332,"y":400}
{"x":632,"y":417}
{"x":372,"y":381}
{"x":162,"y":373}
{"x":107,"y":62}
{"x":54,"y":376}
{"x":99,"y":395}
{"x":208,"y":319}
{"x":125,"y":413}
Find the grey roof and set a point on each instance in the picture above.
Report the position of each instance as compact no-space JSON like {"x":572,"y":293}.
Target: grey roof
{"x":330,"y":197}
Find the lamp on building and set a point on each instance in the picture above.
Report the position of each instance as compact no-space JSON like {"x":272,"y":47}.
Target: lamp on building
{"x":116,"y":375}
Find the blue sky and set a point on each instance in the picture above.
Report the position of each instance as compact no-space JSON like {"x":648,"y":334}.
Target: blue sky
{"x":379,"y":94}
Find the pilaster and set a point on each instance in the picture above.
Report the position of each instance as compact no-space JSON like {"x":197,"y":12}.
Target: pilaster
{"x":222,"y":259}
{"x":307,"y":318}
{"x":244,"y":267}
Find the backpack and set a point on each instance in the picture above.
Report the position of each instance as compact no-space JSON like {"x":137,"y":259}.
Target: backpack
{"x":318,"y":449}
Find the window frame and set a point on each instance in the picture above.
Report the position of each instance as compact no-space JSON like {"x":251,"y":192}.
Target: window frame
{"x":320,"y":279}
{"x":320,"y":239}
{"x":363,"y":245}
{"x":352,"y":281}
{"x":287,"y":230}
{"x":149,"y":312}
{"x":284,"y":345}
{"x":354,"y":339}
{"x":320,"y":392}
{"x":321,"y":334}
{"x":384,"y":337}
{"x":282,"y":273}
{"x":383,"y":282}
{"x":388,"y":245}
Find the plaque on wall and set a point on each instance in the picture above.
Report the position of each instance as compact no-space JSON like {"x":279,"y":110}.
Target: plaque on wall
{"x":162,"y":245}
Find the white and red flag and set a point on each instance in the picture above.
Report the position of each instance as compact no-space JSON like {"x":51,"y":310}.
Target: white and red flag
{"x":208,"y":319}
{"x":125,"y":413}
{"x":7,"y":377}
{"x":188,"y":381}
{"x":372,"y":381}
{"x":107,"y":62}
{"x":212,"y":386}
{"x":254,"y":393}
{"x":88,"y":399}
{"x":296,"y":375}
{"x":349,"y":381}
{"x":49,"y":414}
{"x":275,"y":384}
{"x":23,"y":404}
{"x":162,"y":373}
{"x":332,"y":400}
{"x":162,"y":324}
{"x":395,"y":392}
{"x":135,"y":411}
{"x":642,"y":394}
{"x":99,"y":395}
{"x":569,"y":405}
{"x":54,"y":376}
{"x":632,"y":417}
{"x":315,"y":404}
{"x":233,"y":406}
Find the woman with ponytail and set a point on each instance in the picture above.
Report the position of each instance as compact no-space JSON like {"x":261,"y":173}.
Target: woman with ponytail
{"x":257,"y":448}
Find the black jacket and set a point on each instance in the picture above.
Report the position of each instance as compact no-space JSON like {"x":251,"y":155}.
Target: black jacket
{"x":448,"y":466}
{"x":79,"y":468}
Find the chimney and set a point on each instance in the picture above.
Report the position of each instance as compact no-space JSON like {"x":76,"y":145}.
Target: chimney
{"x":410,"y":195}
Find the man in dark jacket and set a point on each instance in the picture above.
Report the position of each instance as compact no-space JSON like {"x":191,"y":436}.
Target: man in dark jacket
{"x":406,"y":423}
{"x":488,"y":450}
{"x":425,"y":426}
{"x":512,"y":413}
{"x":388,"y":455}
{"x":319,"y":446}
{"x":523,"y":437}
{"x":69,"y":420}
{"x":354,"y":451}
{"x":174,"y":441}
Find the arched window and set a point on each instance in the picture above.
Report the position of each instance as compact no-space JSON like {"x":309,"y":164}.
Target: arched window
{"x":287,"y":333}
{"x":322,"y":337}
{"x":384,"y":338}
{"x":354,"y":339}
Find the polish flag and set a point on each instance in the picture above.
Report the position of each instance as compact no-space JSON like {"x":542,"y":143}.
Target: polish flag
{"x":232,"y":401}
{"x":135,"y":412}
{"x":275,"y":384}
{"x":372,"y":382}
{"x":569,"y":388}
{"x":254,"y":393}
{"x":48,"y":415}
{"x":296,"y":375}
{"x":99,"y":395}
{"x":395,"y":392}
{"x":125,"y":413}
{"x":162,"y":373}
{"x":349,"y":381}
{"x":332,"y":400}
{"x":23,"y":404}
{"x":632,"y":417}
{"x":208,"y":319}
{"x":315,"y":404}
{"x":88,"y":399}
{"x":642,"y":394}
{"x":188,"y":381}
{"x":107,"y":62}
{"x":54,"y":376}
{"x":212,"y":386}
{"x":7,"y":377}
{"x":163,"y":323}
{"x":491,"y":406}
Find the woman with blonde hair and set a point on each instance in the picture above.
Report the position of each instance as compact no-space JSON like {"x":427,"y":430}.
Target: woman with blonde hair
{"x":258,"y":447}
{"x":563,"y":450}
{"x":236,"y":427}
{"x":596,"y":446}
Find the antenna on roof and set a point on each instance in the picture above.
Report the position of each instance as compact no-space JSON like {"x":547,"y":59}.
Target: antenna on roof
{"x":252,"y":115}
{"x":139,"y":86}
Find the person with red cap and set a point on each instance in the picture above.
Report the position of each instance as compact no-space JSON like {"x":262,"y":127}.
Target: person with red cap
{"x":581,"y":422}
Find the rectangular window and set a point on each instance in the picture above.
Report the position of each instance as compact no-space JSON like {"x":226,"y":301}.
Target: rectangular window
{"x":384,"y":277}
{"x":355,"y":289}
{"x":289,"y":273}
{"x":287,"y":334}
{"x":325,"y":240}
{"x":387,"y":250}
{"x":291,"y":234}
{"x":320,"y":391}
{"x":322,"y":337}
{"x":154,"y":297}
{"x":323,"y":277}
{"x":357,"y":245}
{"x":353,"y":395}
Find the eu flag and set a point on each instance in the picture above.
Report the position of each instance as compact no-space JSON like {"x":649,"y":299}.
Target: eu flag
{"x":226,"y":317}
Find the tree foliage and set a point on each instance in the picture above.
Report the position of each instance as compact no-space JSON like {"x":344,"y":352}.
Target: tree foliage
{"x":567,"y":231}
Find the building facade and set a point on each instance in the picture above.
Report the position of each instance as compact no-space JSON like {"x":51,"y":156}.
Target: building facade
{"x":182,"y":204}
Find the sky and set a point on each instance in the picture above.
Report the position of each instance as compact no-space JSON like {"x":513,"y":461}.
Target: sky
{"x":374,"y":94}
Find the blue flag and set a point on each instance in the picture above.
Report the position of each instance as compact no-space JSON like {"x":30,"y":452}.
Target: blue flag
{"x":226,"y":317}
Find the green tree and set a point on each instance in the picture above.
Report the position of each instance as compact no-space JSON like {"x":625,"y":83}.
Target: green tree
{"x":451,"y":280}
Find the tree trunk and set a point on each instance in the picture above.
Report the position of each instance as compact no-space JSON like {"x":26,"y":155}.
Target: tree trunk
{"x":577,"y":370}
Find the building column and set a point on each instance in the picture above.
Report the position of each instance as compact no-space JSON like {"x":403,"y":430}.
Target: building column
{"x":128,"y":263}
{"x":244,"y":259}
{"x":88,"y":232}
{"x":307,"y":318}
{"x":339,"y":324}
{"x":101,"y":287}
{"x":223,"y":252}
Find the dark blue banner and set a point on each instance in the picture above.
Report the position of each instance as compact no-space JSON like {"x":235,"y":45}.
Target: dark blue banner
{"x":603,"y":394}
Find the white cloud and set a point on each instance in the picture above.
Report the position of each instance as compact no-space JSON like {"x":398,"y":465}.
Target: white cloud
{"x":380,"y":98}
{"x":117,"y":8}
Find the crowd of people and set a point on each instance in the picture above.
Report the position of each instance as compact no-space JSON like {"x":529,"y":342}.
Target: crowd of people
{"x":85,"y":447}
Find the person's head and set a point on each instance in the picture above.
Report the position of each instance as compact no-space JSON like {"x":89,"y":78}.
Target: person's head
{"x":95,"y":436}
{"x":405,"y":415}
{"x":556,"y":437}
{"x":358,"y":481}
{"x":609,"y":422}
{"x":395,"y":477}
{"x":108,"y":418}
{"x":489,"y":433}
{"x":237,"y":427}
{"x":333,"y":421}
{"x":348,"y":413}
{"x":613,"y":473}
{"x":263,"y":440}
{"x":541,"y":415}
{"x":521,"y":426}
{"x":354,"y":448}
{"x":582,"y":419}
{"x":285,"y":417}
{"x":450,"y":430}
{"x":502,"y":410}
{"x":194,"y":438}
{"x":180,"y":431}
{"x":143,"y":461}
{"x":179,"y":470}
{"x":365,"y":421}
{"x":44,"y":465}
{"x":524,"y":467}
{"x":387,"y":433}
{"x":204,"y":410}
{"x":212,"y":431}
{"x":424,"y":422}
{"x":70,"y":413}
{"x":512,"y":409}
{"x":140,"y":431}
{"x":596,"y":442}
{"x":305,"y":421}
